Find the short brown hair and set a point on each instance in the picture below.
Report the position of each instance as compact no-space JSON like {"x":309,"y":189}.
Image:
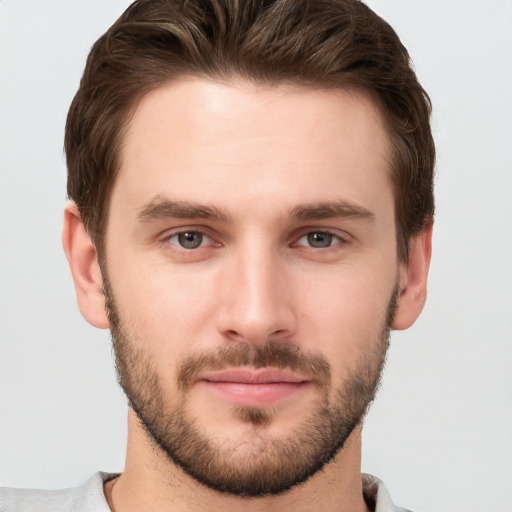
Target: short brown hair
{"x":314,"y":43}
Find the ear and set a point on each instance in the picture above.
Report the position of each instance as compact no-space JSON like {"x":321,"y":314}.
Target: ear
{"x":413,"y":280}
{"x":85,"y":269}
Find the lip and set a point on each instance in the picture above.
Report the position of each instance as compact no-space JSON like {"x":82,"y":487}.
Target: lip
{"x":262,"y":387}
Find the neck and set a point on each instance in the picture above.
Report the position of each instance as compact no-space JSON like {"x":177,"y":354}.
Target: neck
{"x":151,"y":482}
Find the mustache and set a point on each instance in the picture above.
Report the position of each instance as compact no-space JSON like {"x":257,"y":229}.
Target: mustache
{"x":270,"y":355}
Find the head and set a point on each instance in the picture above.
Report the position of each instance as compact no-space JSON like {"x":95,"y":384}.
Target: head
{"x":253,"y":191}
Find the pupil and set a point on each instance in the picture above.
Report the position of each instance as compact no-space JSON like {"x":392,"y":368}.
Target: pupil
{"x":190,"y":240}
{"x":319,"y":239}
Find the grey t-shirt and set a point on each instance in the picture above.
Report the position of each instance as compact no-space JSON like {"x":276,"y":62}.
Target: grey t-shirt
{"x":89,"y":497}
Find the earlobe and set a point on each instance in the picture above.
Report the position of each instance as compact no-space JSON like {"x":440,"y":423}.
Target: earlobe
{"x":413,"y":280}
{"x":83,"y":262}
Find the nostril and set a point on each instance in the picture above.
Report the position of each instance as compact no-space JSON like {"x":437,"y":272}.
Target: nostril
{"x":233,"y":334}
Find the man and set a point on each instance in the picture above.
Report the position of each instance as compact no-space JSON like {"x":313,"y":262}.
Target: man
{"x":251,"y":214}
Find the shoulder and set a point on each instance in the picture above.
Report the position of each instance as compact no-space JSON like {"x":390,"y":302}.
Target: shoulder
{"x":87,"y":497}
{"x":377,"y":496}
{"x":14,"y":500}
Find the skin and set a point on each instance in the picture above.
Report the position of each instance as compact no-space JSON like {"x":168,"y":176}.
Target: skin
{"x":255,"y":154}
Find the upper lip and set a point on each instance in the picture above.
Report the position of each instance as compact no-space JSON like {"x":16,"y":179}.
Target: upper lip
{"x":253,"y":376}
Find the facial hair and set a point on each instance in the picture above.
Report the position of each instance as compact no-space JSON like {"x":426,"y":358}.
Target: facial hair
{"x":259,"y":465}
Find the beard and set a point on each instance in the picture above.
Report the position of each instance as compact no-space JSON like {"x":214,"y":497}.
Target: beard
{"x":257,"y":465}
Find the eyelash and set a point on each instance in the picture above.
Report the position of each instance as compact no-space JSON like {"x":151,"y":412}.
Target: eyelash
{"x":334,"y":239}
{"x":170,"y":237}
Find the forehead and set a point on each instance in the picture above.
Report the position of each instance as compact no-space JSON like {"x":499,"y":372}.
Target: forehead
{"x":201,"y":138}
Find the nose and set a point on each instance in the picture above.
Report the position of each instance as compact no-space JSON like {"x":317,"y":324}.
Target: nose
{"x":256,"y":302}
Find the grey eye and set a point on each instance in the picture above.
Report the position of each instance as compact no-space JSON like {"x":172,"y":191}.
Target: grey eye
{"x":319,"y":239}
{"x":190,"y":239}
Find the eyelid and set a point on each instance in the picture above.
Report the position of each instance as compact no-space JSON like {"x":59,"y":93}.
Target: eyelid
{"x":342,"y":236}
{"x":335,"y":240}
{"x":204,"y":240}
{"x":173,"y":233}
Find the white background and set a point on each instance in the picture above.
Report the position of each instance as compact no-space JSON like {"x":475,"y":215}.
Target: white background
{"x":440,"y":432}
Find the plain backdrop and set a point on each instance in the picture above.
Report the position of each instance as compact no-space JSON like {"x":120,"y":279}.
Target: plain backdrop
{"x":440,"y":431}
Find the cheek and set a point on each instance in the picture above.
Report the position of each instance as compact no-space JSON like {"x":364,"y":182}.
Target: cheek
{"x":344,"y":316}
{"x":165,"y":310}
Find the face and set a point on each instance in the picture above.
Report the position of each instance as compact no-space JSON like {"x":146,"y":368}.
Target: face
{"x":251,"y":276}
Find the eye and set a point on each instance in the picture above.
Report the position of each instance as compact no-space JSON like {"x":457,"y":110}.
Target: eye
{"x":189,"y":239}
{"x":319,"y":239}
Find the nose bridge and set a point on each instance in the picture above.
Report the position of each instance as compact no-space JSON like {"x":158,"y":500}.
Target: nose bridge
{"x":255,"y":305}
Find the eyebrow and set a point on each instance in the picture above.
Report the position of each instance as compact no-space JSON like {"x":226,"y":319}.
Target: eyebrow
{"x":161,"y":208}
{"x":331,"y":210}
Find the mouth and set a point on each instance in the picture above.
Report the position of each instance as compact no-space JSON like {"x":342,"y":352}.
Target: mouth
{"x":263,"y":387}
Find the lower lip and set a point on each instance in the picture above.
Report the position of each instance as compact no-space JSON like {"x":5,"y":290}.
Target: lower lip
{"x":254,"y":395}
